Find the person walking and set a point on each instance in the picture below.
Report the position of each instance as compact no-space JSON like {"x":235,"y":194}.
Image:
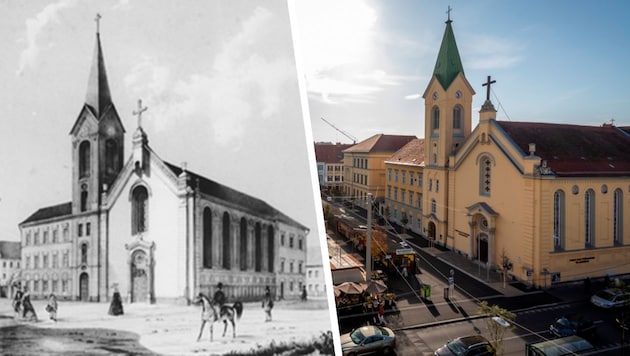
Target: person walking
{"x":17,"y":301}
{"x":304,"y":293}
{"x":116,"y":307}
{"x":381,"y":313}
{"x":267,"y":304}
{"x":28,"y":306}
{"x":51,"y":307}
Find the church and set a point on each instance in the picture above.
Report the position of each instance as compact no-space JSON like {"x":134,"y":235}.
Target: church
{"x":544,"y":203}
{"x":153,"y":230}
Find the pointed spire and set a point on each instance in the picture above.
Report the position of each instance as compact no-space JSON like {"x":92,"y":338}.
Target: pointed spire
{"x":98,"y":96}
{"x":448,"y":63}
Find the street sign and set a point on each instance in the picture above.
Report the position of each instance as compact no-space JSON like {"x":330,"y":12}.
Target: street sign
{"x":404,"y":251}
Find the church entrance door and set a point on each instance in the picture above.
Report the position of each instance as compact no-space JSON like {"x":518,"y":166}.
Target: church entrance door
{"x":84,"y":287}
{"x":139,"y":277}
{"x":483,"y":248}
{"x":431,"y":231}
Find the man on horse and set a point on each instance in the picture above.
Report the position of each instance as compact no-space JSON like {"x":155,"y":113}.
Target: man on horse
{"x":219,"y":297}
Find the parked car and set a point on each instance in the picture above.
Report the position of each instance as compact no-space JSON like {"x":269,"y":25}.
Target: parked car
{"x":611,"y":298}
{"x":467,"y":345}
{"x":367,"y":340}
{"x":573,"y":324}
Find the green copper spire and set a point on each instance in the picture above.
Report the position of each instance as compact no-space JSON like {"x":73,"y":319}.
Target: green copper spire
{"x":448,"y":63}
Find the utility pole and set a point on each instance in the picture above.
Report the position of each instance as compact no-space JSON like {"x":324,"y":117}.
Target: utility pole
{"x":368,"y":243}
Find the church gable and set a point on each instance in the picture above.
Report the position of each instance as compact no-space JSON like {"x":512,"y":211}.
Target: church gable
{"x":85,"y":115}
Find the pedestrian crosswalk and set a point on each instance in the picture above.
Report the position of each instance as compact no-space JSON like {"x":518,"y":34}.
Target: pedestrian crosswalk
{"x":419,"y":344}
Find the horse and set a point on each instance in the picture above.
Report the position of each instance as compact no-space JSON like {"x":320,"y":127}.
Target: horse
{"x":212,"y":312}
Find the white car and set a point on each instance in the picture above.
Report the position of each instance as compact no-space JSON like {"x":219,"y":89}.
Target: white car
{"x":611,"y":298}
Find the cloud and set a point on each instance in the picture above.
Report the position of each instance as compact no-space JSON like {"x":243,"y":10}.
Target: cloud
{"x":34,"y":26}
{"x":489,"y":52}
{"x":121,"y":4}
{"x":413,"y":96}
{"x":245,"y":81}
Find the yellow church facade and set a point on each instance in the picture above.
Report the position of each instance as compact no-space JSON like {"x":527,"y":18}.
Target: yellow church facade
{"x":544,"y":202}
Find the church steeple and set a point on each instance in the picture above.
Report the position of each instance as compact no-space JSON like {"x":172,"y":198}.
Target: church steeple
{"x":98,"y":97}
{"x":448,"y":63}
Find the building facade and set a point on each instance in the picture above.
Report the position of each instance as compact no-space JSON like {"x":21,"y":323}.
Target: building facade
{"x":329,"y":158}
{"x":404,"y":199}
{"x":151,"y":229}
{"x":545,"y":203}
{"x":10,"y":258}
{"x":364,"y":167}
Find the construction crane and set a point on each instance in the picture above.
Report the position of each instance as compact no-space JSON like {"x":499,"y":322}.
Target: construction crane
{"x":354,"y":139}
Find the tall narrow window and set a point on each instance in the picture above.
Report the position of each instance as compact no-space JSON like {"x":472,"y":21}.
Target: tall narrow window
{"x":84,"y":199}
{"x":111,"y":156}
{"x":435,"y":118}
{"x":558,"y":220}
{"x":227,"y":262}
{"x":207,"y":238}
{"x":270,"y":248}
{"x":433,"y":207}
{"x":485,"y":176}
{"x":589,"y":218}
{"x":84,"y":159}
{"x":618,"y":217}
{"x":457,"y":117}
{"x":84,"y":248}
{"x":258,"y":248}
{"x":243,"y":248}
{"x":139,"y":210}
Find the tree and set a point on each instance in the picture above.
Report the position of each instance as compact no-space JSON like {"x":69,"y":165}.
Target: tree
{"x":494,"y":328}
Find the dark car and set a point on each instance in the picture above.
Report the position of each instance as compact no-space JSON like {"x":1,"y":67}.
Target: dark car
{"x":369,"y":339}
{"x":573,"y":324}
{"x":476,"y":345}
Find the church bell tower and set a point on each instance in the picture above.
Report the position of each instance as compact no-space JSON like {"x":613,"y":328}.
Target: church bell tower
{"x":97,"y":139}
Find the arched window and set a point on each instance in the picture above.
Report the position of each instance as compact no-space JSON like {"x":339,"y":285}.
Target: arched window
{"x":227,"y":263}
{"x":84,"y":159}
{"x":270,"y":247}
{"x":618,"y":217}
{"x":457,"y":117}
{"x":485,"y":176}
{"x":84,"y":248}
{"x":435,"y":118}
{"x":207,"y":238}
{"x":84,"y":198}
{"x":243,"y":248}
{"x":433,"y":206}
{"x":139,"y":210}
{"x":258,"y":248}
{"x":558,"y":220}
{"x":111,"y":156}
{"x":589,"y":218}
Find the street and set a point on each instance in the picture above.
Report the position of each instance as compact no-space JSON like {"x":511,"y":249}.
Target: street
{"x":424,"y":324}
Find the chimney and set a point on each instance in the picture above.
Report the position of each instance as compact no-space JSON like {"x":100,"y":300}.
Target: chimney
{"x":532,"y":149}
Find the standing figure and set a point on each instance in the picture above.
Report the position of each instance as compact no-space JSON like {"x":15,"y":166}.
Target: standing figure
{"x":219,"y":297}
{"x":17,"y":301}
{"x":116,"y":307}
{"x":267,"y":304}
{"x":28,"y":307}
{"x":51,"y":307}
{"x":381,"y":313}
{"x":304,"y":293}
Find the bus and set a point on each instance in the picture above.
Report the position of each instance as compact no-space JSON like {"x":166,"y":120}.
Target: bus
{"x":569,"y":345}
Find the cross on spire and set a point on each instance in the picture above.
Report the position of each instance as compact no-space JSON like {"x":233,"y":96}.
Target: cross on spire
{"x":487,"y":84}
{"x":449,"y":12}
{"x":139,"y":112}
{"x":98,"y":22}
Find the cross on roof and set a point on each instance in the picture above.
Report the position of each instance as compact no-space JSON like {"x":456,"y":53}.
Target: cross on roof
{"x":449,"y":12}
{"x":98,"y":22}
{"x":488,"y":83}
{"x":139,"y":112}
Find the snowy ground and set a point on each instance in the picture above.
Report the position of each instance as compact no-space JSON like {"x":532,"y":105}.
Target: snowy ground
{"x":173,"y":329}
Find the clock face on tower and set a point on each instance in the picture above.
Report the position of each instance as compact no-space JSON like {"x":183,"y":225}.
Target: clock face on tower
{"x":458,"y":94}
{"x":435,"y":96}
{"x":111,"y":131}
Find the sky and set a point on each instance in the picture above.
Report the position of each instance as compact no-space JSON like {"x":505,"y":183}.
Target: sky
{"x":367,"y":63}
{"x":219,"y":79}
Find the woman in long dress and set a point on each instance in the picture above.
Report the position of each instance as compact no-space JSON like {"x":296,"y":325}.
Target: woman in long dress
{"x":51,"y":307}
{"x":17,"y":302}
{"x":267,"y":304}
{"x":28,"y":306}
{"x":116,"y":307}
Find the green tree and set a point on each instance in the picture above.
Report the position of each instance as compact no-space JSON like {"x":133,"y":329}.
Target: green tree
{"x":495,"y":329}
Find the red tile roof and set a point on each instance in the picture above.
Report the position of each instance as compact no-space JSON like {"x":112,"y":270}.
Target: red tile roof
{"x":411,"y":153}
{"x":381,"y":143}
{"x":573,"y":150}
{"x":330,"y":153}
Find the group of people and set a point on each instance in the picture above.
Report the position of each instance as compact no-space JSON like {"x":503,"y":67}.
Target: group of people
{"x":24,"y":308}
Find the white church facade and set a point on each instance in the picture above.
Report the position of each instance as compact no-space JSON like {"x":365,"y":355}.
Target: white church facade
{"x":151,"y":229}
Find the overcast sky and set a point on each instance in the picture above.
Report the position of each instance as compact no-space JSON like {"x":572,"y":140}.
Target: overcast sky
{"x":368,"y":62}
{"x":219,"y":79}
